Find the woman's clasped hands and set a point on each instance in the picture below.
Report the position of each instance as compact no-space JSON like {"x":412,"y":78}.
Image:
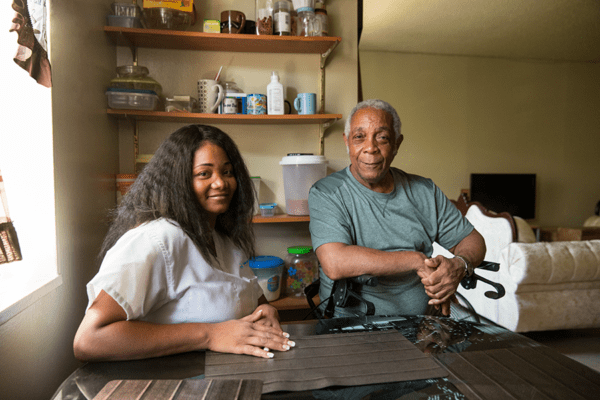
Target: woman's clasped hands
{"x":255,"y":334}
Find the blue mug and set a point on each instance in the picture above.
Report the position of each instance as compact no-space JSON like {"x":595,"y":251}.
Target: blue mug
{"x":306,"y":103}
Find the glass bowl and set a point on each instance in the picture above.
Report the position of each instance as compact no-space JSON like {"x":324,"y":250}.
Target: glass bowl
{"x":167,"y":18}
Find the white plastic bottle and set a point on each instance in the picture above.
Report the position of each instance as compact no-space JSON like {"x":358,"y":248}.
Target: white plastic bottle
{"x":275,"y":102}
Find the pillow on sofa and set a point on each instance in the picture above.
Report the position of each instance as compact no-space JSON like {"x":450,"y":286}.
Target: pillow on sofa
{"x":592,"y":221}
{"x":524,"y":232}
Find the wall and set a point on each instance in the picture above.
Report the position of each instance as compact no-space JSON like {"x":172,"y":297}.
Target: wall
{"x":262,"y":146}
{"x":463,"y":115}
{"x":36,"y":346}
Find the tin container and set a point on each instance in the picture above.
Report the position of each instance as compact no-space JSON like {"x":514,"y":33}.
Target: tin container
{"x":256,"y":104}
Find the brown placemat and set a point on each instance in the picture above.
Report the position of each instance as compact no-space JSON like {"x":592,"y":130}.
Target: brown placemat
{"x":186,"y":389}
{"x":319,"y":361}
{"x":521,"y":373}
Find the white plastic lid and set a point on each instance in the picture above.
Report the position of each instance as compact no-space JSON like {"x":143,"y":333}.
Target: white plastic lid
{"x":274,"y":77}
{"x":303,"y":159}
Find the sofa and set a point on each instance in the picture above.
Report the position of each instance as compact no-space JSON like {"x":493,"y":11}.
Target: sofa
{"x":549,"y":285}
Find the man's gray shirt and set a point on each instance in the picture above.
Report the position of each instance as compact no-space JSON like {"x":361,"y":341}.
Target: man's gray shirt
{"x":414,"y":215}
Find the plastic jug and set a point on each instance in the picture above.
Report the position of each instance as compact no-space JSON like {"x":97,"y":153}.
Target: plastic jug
{"x":300,"y":172}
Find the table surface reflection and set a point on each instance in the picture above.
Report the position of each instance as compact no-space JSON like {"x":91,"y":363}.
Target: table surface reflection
{"x":437,"y":336}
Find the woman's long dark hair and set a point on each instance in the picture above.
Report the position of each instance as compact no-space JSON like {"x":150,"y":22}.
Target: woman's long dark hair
{"x":164,"y":190}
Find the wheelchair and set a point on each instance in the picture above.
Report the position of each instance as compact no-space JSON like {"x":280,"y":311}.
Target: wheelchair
{"x":346,"y":291}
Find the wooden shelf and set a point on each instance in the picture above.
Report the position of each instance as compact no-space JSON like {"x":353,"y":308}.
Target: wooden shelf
{"x":163,"y":116}
{"x":279,"y":218}
{"x":186,"y":40}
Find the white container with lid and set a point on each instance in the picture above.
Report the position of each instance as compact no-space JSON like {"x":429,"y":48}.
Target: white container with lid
{"x":268,"y":270}
{"x":300,"y":172}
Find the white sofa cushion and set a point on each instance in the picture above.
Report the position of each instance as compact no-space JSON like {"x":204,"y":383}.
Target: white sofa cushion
{"x":552,"y":263}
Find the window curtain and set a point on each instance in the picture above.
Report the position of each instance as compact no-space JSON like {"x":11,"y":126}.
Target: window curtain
{"x":32,"y":53}
{"x":9,"y":244}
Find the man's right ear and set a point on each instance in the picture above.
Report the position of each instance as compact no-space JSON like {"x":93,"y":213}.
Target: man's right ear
{"x":398,"y":143}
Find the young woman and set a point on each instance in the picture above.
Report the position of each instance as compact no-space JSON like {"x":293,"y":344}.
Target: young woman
{"x":172,"y":277}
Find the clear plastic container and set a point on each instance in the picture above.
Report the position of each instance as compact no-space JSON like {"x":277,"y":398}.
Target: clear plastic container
{"x":132,"y":100}
{"x":321,"y":15}
{"x":308,"y":25}
{"x":267,"y":209}
{"x":300,"y":172}
{"x":124,"y":21}
{"x":126,"y":9}
{"x":181,"y":103}
{"x":302,"y":269}
{"x":256,"y":183}
{"x":268,"y":270}
{"x":135,"y":77}
{"x":264,"y":17}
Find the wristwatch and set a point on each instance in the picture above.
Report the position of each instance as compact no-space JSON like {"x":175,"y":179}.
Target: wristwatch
{"x":468,"y":266}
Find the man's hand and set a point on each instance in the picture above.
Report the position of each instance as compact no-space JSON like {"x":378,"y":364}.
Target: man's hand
{"x":441,"y":277}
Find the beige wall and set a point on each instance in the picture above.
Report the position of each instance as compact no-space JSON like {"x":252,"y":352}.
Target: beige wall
{"x":36,"y":346}
{"x":262,"y":146}
{"x":465,"y":115}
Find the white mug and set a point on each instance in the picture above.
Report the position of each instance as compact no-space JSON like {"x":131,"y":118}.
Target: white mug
{"x":230,"y":105}
{"x":210,"y":95}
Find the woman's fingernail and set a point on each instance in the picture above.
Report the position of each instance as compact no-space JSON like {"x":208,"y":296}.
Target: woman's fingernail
{"x":266,"y":349}
{"x":270,"y":355}
{"x":287,"y":335}
{"x":291,"y":344}
{"x":286,"y":347}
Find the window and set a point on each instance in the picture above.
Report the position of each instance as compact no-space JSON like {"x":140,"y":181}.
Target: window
{"x":27,"y":167}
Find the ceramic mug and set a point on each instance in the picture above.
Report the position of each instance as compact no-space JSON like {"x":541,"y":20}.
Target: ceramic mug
{"x":232,"y":21}
{"x":306,"y":103}
{"x":230,"y":105}
{"x":257,"y":104}
{"x":210,"y":95}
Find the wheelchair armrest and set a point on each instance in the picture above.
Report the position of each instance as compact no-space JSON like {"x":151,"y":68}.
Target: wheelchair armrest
{"x":470,"y":282}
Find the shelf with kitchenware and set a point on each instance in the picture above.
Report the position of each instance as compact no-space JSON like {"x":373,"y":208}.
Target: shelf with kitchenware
{"x":185,"y":117}
{"x":202,"y":41}
{"x":280,"y":218}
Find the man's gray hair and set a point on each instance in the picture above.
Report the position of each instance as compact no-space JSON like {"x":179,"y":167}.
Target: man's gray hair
{"x":379,"y":105}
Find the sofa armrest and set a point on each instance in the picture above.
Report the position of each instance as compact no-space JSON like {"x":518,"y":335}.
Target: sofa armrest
{"x":551,"y":262}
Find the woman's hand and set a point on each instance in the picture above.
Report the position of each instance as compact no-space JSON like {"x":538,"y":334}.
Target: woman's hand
{"x":247,"y":336}
{"x":267,"y":315}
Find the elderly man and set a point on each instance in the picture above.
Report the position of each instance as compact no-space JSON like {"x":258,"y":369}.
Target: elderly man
{"x":371,"y":218}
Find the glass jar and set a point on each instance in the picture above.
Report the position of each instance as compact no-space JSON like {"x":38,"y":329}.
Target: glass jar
{"x":302,"y":269}
{"x":294,"y":23}
{"x":307,"y":22}
{"x":264,"y":17}
{"x":321,"y":15}
{"x":282,"y":24}
{"x":232,"y":87}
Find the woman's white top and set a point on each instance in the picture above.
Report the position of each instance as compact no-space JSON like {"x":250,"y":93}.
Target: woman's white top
{"x":156,"y":273}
